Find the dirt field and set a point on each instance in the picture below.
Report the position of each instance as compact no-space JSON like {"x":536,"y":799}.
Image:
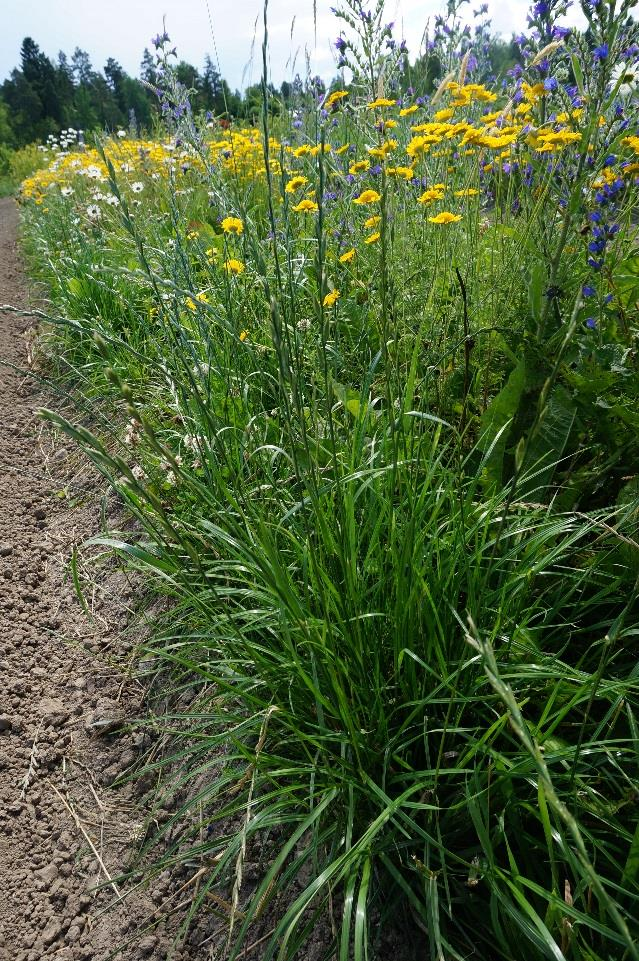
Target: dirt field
{"x":63,"y":829}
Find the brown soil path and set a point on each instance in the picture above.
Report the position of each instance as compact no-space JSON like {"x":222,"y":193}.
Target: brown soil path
{"x":58,"y":815}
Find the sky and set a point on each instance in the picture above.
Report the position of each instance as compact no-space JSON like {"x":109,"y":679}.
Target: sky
{"x":225,"y":29}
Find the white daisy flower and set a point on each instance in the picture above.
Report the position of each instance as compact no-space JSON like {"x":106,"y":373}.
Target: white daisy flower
{"x":113,"y":201}
{"x":94,"y":212}
{"x":627,"y":76}
{"x":66,"y":191}
{"x":137,"y":187}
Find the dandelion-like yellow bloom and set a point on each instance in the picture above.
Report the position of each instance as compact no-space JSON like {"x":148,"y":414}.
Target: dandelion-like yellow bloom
{"x":346,"y":257}
{"x":372,"y":222}
{"x":445,"y":217}
{"x":233,"y":266}
{"x":202,"y":297}
{"x":331,"y":299}
{"x":335,"y":97}
{"x":232,"y":225}
{"x":243,"y":335}
{"x":373,"y":238}
{"x":306,"y":206}
{"x":405,"y":172}
{"x":467,"y":192}
{"x":295,"y":183}
{"x":407,"y":111}
{"x":367,"y":197}
{"x":381,"y":102}
{"x":359,"y":167}
{"x":429,"y":196}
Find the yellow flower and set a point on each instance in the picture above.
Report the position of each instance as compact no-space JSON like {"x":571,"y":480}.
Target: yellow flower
{"x":407,"y":111}
{"x":367,"y":197}
{"x":295,"y":183}
{"x":233,"y":266}
{"x":445,"y":217}
{"x":430,"y":195}
{"x":372,"y":222}
{"x":202,"y":297}
{"x":445,"y":114}
{"x":468,"y":192}
{"x":331,"y":299}
{"x":243,"y":335}
{"x":300,"y":151}
{"x":211,"y":254}
{"x":405,"y":172}
{"x":191,"y":304}
{"x":232,"y":225}
{"x":336,"y":96}
{"x":420,"y":145}
{"x":373,"y":238}
{"x":359,"y":167}
{"x":382,"y":150}
{"x":346,"y":257}
{"x":381,"y":102}
{"x":306,"y":206}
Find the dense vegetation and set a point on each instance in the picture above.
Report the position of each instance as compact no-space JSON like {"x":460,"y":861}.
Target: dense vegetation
{"x":366,"y":378}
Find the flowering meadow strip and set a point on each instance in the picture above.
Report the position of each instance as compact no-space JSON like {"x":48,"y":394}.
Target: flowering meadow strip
{"x":365,"y":376}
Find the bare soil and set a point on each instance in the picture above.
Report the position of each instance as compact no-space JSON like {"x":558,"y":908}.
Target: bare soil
{"x":66,"y":832}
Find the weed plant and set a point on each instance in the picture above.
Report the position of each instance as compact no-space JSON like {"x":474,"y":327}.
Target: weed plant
{"x":366,"y":378}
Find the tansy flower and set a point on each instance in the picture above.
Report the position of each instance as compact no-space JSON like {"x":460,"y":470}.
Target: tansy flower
{"x":372,"y":222}
{"x":233,"y":266}
{"x":367,"y":197}
{"x":346,"y":257}
{"x":295,"y":183}
{"x":445,"y":217}
{"x":373,"y":238}
{"x":232,"y":225}
{"x":331,"y":299}
{"x":381,"y":102}
{"x":306,"y":206}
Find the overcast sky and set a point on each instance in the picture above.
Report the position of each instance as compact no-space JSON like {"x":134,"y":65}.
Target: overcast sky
{"x":122,"y":28}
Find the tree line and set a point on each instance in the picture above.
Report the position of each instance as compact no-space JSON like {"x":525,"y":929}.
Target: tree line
{"x":42,"y":96}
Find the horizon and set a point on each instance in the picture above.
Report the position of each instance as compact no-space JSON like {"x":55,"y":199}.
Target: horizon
{"x":200,"y":27}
